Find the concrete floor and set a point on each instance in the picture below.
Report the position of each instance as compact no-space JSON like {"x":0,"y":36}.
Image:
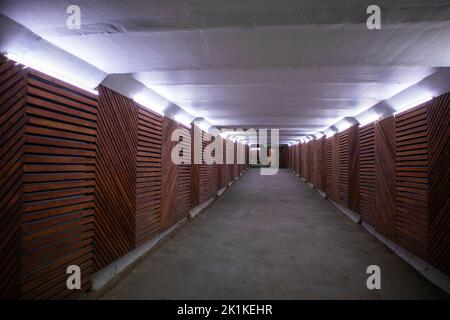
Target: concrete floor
{"x":271,"y":237}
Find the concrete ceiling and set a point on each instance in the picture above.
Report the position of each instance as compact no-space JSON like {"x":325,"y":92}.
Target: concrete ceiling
{"x":300,"y":66}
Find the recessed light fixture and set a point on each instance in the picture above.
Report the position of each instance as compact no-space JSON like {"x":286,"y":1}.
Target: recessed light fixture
{"x":41,"y":66}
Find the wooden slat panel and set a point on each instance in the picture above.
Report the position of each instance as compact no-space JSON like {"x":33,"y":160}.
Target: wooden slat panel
{"x":367,"y":174}
{"x":353,"y":168}
{"x":57,"y":212}
{"x":176,"y":187}
{"x":385,"y":176}
{"x":332,"y":148}
{"x":438,"y":129}
{"x":12,"y":121}
{"x":223,"y":167}
{"x":320,"y":164}
{"x":148,"y":175}
{"x":411,"y":210}
{"x":343,"y":162}
{"x":304,"y":160}
{"x":116,"y":177}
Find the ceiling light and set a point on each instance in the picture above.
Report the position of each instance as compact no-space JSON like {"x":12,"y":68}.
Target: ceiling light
{"x":413,"y":104}
{"x":204,"y":126}
{"x":330,"y":132}
{"x":183,"y":120}
{"x":318,"y":135}
{"x":146,"y":101}
{"x":369,"y":119}
{"x":50,"y":69}
{"x":343,"y":125}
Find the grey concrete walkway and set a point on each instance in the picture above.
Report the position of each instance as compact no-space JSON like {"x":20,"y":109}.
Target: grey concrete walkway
{"x":271,"y":237}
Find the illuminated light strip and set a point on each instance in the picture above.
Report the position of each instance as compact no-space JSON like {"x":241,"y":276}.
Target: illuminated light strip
{"x":318,"y":135}
{"x":39,"y":66}
{"x":343,"y":125}
{"x":145,"y":102}
{"x":369,"y":119}
{"x":204,"y":127}
{"x":330,"y":132}
{"x":414,"y":104}
{"x":183,"y":120}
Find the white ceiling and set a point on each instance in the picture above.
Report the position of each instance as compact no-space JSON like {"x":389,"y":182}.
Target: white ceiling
{"x":296,"y":65}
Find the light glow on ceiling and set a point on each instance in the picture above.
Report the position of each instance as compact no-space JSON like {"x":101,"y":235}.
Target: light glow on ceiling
{"x":343,"y":125}
{"x":366,"y":119}
{"x":330,"y":132}
{"x":40,"y":64}
{"x":204,"y":125}
{"x":183,"y":119}
{"x":146,"y":101}
{"x":318,"y":135}
{"x":413,"y":104}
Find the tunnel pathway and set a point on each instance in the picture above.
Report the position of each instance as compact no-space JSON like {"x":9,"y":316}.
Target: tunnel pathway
{"x":271,"y":237}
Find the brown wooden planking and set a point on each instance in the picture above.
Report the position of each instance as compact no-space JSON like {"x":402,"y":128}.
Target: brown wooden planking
{"x":115,"y":177}
{"x":223,"y":167}
{"x":353,"y":168}
{"x":334,"y":190}
{"x":60,"y":118}
{"x":304,"y":160}
{"x":411,"y":212}
{"x":148,"y":175}
{"x":320,"y":164}
{"x":439,"y":192}
{"x":130,"y":142}
{"x":385,"y":176}
{"x":57,"y":234}
{"x":422,"y":181}
{"x":367,"y":174}
{"x":329,"y":166}
{"x":12,"y":121}
{"x":343,"y":163}
{"x":314,"y":163}
{"x":176,"y":188}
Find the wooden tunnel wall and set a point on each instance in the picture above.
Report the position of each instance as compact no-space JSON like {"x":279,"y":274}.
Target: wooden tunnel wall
{"x":84,"y":179}
{"x":394,"y":173}
{"x":176,"y":186}
{"x":48,"y":148}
